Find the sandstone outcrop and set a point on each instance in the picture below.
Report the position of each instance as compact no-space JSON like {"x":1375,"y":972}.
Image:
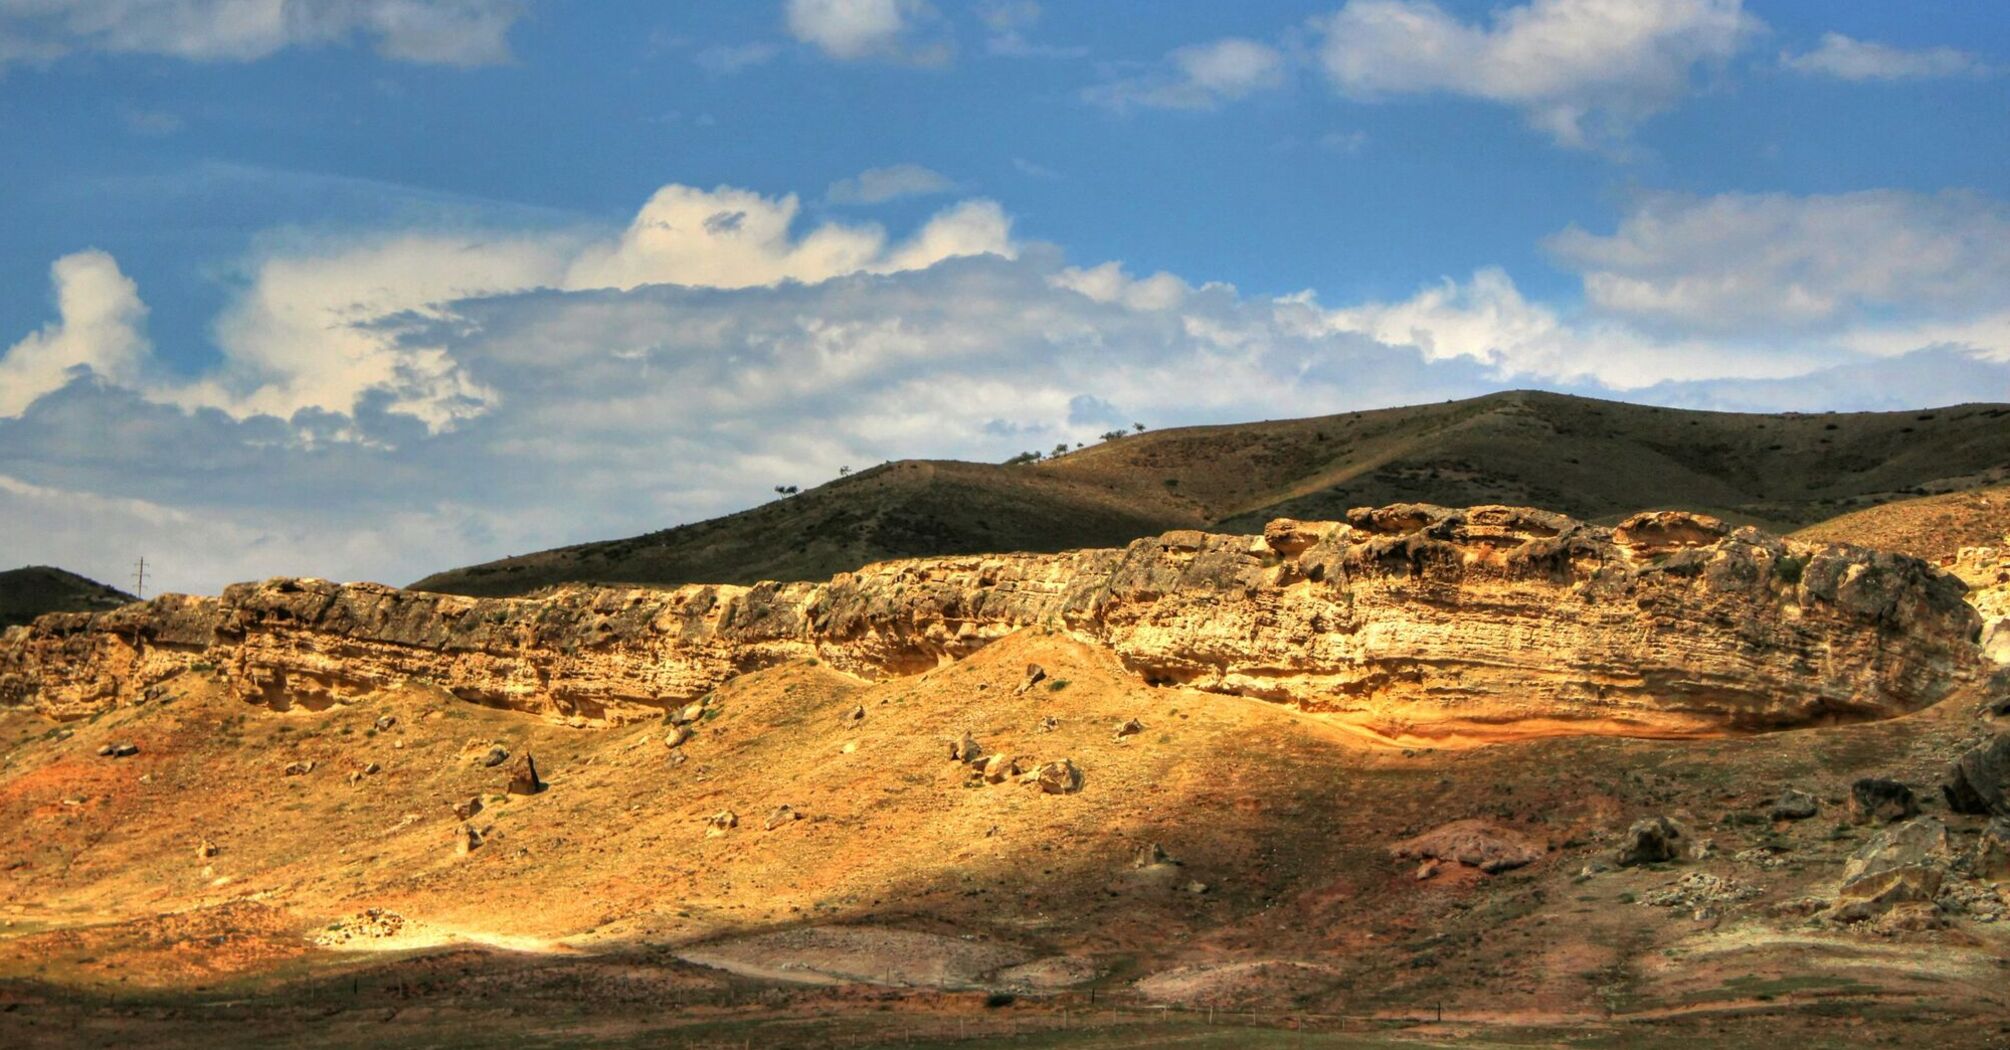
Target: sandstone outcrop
{"x":1415,"y":621}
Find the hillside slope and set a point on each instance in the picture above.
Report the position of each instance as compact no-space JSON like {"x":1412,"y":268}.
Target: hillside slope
{"x":1597,"y":460}
{"x":1931,"y":527}
{"x":30,"y":591}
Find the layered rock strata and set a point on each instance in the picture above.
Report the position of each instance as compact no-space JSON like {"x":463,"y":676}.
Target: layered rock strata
{"x":1413,"y":621}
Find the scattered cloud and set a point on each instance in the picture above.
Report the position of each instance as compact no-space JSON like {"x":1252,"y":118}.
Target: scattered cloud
{"x":1583,"y":71}
{"x":1347,"y":142}
{"x":1783,"y":263}
{"x":879,"y":185}
{"x":1009,"y":23}
{"x":152,"y":123}
{"x":1032,"y":170}
{"x":1200,"y":76}
{"x":453,"y":32}
{"x":1845,"y":58}
{"x":857,"y":30}
{"x":727,"y":59}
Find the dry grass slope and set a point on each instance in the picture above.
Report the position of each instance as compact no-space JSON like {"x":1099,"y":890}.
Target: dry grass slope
{"x":1931,"y":527}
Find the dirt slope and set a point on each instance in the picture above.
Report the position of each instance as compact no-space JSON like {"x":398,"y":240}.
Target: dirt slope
{"x":28,"y":592}
{"x":599,"y":896}
{"x":1931,"y":527}
{"x":1598,"y":460}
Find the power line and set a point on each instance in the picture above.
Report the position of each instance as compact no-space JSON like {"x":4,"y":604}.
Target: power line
{"x":140,"y":577}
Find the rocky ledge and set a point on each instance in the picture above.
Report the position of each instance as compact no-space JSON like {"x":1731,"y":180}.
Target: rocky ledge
{"x":1412,"y":621}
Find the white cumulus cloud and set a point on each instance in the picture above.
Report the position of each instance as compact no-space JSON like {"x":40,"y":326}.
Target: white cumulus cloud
{"x":1580,"y":70}
{"x":1781,"y":262}
{"x":100,"y":325}
{"x":854,"y":30}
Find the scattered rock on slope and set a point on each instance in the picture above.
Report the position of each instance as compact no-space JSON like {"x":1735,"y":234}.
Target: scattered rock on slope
{"x":523,"y":779}
{"x":1650,"y":841}
{"x":1058,"y":778}
{"x":1979,"y":778}
{"x":966,"y":750}
{"x":1474,"y":843}
{"x":1877,"y":800}
{"x":1794,"y":804}
{"x":1904,"y":862}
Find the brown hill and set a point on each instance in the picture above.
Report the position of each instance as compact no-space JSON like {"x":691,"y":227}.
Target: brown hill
{"x":28,"y":592}
{"x":1931,"y":527}
{"x":1596,"y":460}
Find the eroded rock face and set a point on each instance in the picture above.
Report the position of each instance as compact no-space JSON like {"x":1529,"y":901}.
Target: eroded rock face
{"x":1413,"y":620}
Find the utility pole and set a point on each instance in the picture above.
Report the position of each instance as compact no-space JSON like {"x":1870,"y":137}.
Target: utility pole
{"x":140,"y":577}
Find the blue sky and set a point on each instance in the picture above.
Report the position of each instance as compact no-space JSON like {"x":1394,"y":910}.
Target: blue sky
{"x":364,"y":288}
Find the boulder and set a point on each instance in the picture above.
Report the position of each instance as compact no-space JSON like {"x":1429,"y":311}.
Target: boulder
{"x":855,"y":715}
{"x":385,"y":722}
{"x":783,"y":814}
{"x":1047,"y":725}
{"x":998,"y":767}
{"x":1650,"y":841}
{"x":676,"y":737}
{"x":1058,"y":778}
{"x":1989,"y":858}
{"x":299,"y":769}
{"x":1034,"y":675}
{"x":1474,"y":843}
{"x":523,"y":779}
{"x":205,"y":849}
{"x":966,"y":750}
{"x":467,"y":840}
{"x":1794,"y":804}
{"x":688,"y":714}
{"x":1131,"y":727}
{"x":1881,"y":801}
{"x":494,"y":757}
{"x":1151,"y":855}
{"x":1904,"y":862}
{"x":468,"y":807}
{"x":1979,"y":779}
{"x":720,"y":823}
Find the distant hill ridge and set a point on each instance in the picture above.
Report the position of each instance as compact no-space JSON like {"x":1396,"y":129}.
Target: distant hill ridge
{"x":28,"y":592}
{"x":1592,"y":459}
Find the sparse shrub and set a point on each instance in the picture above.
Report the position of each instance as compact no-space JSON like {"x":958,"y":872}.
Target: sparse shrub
{"x":1789,"y":568}
{"x":1057,"y":685}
